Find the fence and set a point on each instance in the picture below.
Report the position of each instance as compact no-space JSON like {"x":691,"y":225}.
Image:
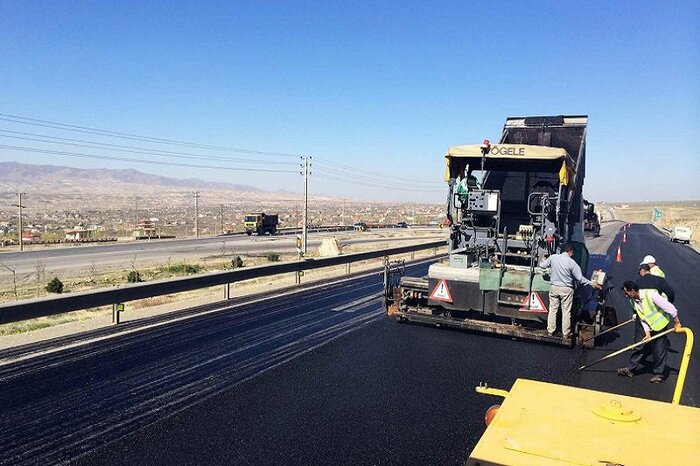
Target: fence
{"x":32,"y":308}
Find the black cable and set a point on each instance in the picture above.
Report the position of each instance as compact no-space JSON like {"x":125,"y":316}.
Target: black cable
{"x":347,"y":177}
{"x":144,"y":151}
{"x":385,"y":186}
{"x":370,"y":173}
{"x":125,"y":159}
{"x":104,"y":132}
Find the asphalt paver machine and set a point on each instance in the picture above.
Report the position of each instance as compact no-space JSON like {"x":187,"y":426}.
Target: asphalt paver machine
{"x":525,"y":204}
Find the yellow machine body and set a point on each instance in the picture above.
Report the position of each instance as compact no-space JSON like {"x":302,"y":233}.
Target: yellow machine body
{"x":542,"y":423}
{"x":548,"y":424}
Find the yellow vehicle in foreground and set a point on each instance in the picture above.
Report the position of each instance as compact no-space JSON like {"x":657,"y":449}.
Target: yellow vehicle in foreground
{"x":548,"y":424}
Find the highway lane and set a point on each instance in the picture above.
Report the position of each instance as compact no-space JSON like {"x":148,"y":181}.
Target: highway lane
{"x":148,"y":254}
{"x":55,"y":406}
{"x":681,"y":265}
{"x":387,"y":394}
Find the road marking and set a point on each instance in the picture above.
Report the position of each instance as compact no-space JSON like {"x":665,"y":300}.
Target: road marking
{"x":357,"y":302}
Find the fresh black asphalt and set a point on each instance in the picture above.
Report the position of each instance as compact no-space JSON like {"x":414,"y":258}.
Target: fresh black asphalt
{"x":293,"y":381}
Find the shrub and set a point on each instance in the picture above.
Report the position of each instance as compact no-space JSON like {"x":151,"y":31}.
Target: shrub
{"x":184,"y":268}
{"x":133,"y":276}
{"x":55,"y":286}
{"x":237,"y":262}
{"x":273,"y":257}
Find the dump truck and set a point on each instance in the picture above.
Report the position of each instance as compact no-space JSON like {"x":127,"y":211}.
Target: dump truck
{"x":527,"y":206}
{"x":591,"y":222}
{"x":261,"y":223}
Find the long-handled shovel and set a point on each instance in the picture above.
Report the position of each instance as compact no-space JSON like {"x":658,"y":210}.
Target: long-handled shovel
{"x":608,"y":330}
{"x":627,"y":348}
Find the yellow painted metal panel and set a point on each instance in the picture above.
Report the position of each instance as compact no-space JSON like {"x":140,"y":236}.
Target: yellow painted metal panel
{"x":547,"y":424}
{"x":509,"y":151}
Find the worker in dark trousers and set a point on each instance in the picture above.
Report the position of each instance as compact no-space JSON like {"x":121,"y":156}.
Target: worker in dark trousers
{"x":655,"y":314}
{"x":648,"y":281}
{"x":564,"y":274}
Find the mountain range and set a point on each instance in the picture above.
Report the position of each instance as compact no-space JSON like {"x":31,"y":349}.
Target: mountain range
{"x":15,"y":176}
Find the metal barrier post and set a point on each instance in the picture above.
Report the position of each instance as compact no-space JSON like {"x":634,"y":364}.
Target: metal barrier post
{"x":347,"y":268}
{"x":116,"y":309}
{"x":227,"y":291}
{"x":413,"y":255}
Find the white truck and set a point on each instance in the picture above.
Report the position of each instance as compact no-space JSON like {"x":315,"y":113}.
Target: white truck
{"x":680,"y":234}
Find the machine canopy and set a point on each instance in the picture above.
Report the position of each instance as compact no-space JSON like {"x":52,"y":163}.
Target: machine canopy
{"x":509,"y":157}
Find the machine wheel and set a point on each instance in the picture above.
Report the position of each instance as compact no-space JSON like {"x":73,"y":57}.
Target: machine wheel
{"x":249,"y":232}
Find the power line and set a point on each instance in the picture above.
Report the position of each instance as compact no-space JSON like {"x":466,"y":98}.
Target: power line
{"x":357,"y":179}
{"x":127,"y":159}
{"x":361,"y":176}
{"x":370,"y":173}
{"x":103,"y":132}
{"x":130,"y":149}
{"x":379,"y":181}
{"x":380,"y":186}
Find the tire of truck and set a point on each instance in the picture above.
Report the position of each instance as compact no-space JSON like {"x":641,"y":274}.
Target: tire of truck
{"x":273,"y":231}
{"x":249,"y":232}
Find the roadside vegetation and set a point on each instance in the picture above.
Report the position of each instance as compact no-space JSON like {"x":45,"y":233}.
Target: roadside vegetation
{"x":92,"y":278}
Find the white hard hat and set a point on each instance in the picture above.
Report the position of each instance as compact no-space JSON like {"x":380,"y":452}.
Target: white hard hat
{"x":648,"y":259}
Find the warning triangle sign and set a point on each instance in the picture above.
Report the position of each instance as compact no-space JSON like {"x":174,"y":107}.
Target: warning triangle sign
{"x":441,"y":292}
{"x":533,"y":304}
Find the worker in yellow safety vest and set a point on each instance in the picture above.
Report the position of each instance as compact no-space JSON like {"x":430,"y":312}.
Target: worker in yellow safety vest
{"x":655,"y":269}
{"x":655,"y":314}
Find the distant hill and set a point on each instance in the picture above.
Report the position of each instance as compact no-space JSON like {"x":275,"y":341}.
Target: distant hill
{"x":50,"y":187}
{"x":15,"y":176}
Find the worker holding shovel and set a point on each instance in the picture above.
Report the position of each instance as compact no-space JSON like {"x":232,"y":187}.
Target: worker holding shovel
{"x":655,"y":314}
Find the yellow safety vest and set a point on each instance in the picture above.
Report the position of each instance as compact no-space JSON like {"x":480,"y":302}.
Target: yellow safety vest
{"x":657,"y":272}
{"x":649,"y":312}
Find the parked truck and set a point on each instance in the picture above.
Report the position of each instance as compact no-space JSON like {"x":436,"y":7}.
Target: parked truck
{"x":591,"y":222}
{"x":261,"y":223}
{"x":527,"y":205}
{"x":681,"y":234}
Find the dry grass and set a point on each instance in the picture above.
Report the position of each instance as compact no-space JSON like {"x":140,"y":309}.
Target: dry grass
{"x":152,"y":302}
{"x":50,"y":321}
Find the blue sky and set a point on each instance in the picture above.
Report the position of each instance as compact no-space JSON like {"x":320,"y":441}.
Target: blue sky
{"x":380,"y":87}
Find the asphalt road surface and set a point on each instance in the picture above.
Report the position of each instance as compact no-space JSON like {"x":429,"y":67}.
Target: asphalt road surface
{"x":319,"y":377}
{"x":681,"y":265}
{"x":81,"y":257}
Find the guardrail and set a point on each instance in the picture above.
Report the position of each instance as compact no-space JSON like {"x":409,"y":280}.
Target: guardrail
{"x":330,"y":228}
{"x":32,"y":308}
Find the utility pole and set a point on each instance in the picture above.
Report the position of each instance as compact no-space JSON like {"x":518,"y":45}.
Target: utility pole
{"x":21,"y":224}
{"x":343,"y":214}
{"x":221,"y":219}
{"x":196,"y":214}
{"x":306,"y":206}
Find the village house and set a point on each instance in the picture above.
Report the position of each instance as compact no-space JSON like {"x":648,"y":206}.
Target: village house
{"x":79,"y":233}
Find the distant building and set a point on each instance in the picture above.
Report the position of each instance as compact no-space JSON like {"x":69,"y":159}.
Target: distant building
{"x":146,"y":229}
{"x":78,"y":233}
{"x":31,"y":237}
